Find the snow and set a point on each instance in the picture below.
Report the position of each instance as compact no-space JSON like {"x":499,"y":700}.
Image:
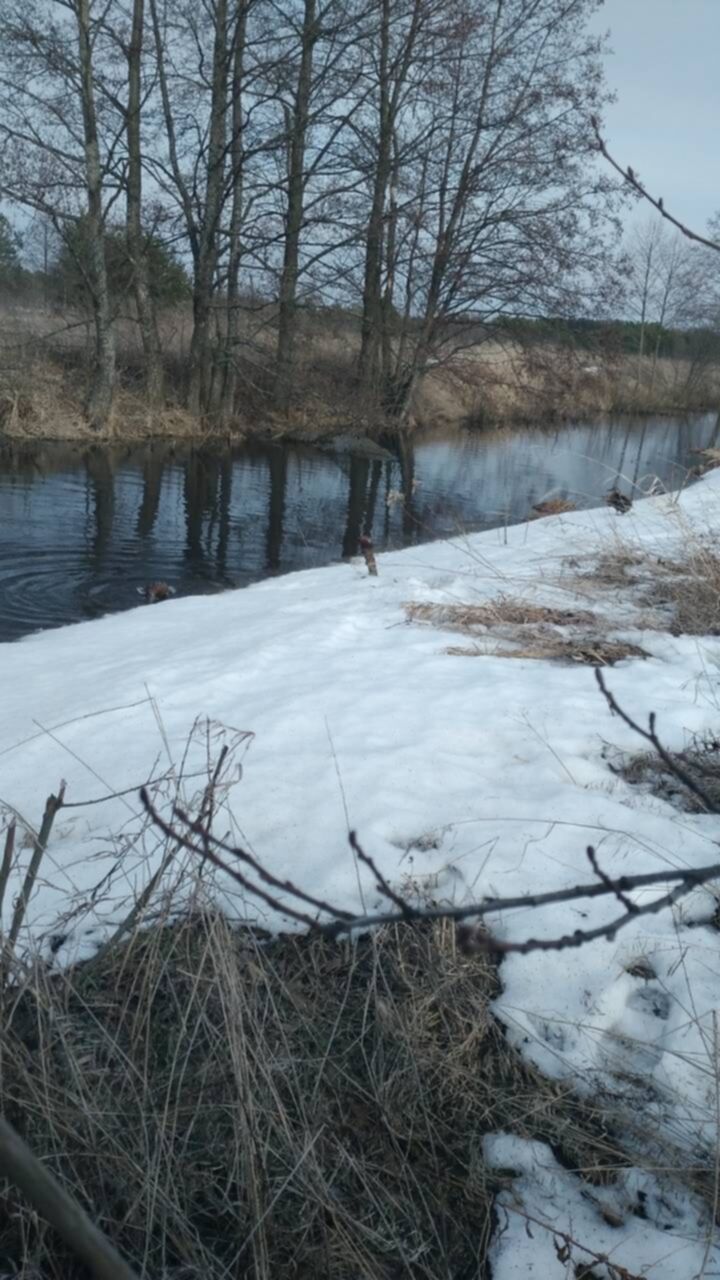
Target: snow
{"x":465,"y":776}
{"x":637,"y":1222}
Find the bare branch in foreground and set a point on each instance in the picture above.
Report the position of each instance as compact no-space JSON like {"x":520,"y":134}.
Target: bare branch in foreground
{"x":50,"y":1199}
{"x":344,"y":922}
{"x":657,"y":202}
{"x":650,"y":735}
{"x":294,"y":903}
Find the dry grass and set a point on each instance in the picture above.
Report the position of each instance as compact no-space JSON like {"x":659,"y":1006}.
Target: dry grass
{"x":588,"y":653}
{"x":298,"y":1108}
{"x":613,"y":568}
{"x":491,"y":383}
{"x":527,"y":631}
{"x":45,"y":405}
{"x":683,"y":591}
{"x":690,"y":588}
{"x":39,"y":405}
{"x":710,"y":460}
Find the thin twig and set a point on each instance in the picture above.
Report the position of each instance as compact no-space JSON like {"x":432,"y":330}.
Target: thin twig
{"x":650,"y":735}
{"x":342,"y":921}
{"x":606,"y":879}
{"x":632,"y":179}
{"x":409,"y":912}
{"x":285,"y":886}
{"x":683,"y":880}
{"x":301,"y":916}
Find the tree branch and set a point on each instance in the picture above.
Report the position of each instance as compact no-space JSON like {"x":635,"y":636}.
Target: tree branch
{"x":290,"y":900}
{"x":633,"y":181}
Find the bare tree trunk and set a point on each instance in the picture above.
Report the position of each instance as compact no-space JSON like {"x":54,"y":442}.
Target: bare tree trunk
{"x":375,"y":359}
{"x":232,"y":326}
{"x":136,"y":249}
{"x":452,"y":206}
{"x":388,"y":307}
{"x":100,"y":393}
{"x":372,"y":319}
{"x":297,"y":128}
{"x":647,"y":244}
{"x":207,"y":253}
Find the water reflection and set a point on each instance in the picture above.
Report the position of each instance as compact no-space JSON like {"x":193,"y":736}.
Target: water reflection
{"x":83,"y":529}
{"x":278,"y":467}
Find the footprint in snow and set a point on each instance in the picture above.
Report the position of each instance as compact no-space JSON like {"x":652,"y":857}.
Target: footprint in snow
{"x":631,"y":1045}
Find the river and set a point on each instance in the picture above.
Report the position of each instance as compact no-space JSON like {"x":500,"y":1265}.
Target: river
{"x":83,"y":529}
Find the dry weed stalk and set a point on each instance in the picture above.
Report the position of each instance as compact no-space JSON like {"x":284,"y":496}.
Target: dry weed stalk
{"x":368,"y":551}
{"x":683,"y":589}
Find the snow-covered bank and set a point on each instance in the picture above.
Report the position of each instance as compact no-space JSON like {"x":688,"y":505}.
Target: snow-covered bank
{"x":473,"y":775}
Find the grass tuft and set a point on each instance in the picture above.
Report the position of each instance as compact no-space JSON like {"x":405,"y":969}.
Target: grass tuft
{"x":526,"y":631}
{"x":228,"y":1105}
{"x":504,"y":610}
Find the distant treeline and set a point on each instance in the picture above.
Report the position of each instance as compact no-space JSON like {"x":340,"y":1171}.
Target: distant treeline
{"x":612,"y":337}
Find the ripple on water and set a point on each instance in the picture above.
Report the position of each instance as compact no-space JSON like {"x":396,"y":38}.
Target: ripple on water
{"x":44,"y":588}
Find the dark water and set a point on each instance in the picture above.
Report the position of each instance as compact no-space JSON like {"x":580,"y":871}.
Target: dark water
{"x":82,"y":529}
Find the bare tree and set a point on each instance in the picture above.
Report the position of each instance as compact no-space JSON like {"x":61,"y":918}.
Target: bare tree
{"x":662,"y":289}
{"x":297,"y":125}
{"x":317,"y":101}
{"x":135,"y":238}
{"x":55,"y":160}
{"x":194,"y":169}
{"x":234,"y":248}
{"x":643,"y":252}
{"x":511,"y":214}
{"x":395,"y":55}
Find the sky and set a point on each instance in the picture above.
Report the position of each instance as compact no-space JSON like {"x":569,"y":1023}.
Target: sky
{"x":664,"y":70}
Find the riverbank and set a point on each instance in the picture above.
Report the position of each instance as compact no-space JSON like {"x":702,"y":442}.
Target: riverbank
{"x":445,"y":709}
{"x":490,"y":384}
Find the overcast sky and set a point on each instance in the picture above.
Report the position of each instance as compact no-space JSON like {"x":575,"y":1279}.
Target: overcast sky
{"x":666,"y":121}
